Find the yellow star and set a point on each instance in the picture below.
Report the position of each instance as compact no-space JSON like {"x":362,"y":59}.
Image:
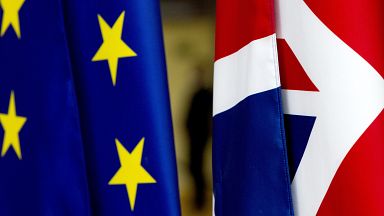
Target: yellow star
{"x":12,"y":125}
{"x":11,"y":10}
{"x":131,"y":173}
{"x":113,"y":47}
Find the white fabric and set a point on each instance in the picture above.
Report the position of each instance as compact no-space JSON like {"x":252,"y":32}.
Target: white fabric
{"x":252,"y":69}
{"x":350,"y":97}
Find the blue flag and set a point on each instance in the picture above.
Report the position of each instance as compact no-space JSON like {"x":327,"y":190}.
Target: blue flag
{"x":92,"y":133}
{"x":42,"y":164}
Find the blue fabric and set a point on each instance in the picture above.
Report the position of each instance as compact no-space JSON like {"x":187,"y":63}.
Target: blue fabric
{"x":137,"y":107}
{"x":75,"y":113}
{"x":50,"y":179}
{"x":298,"y":129}
{"x":250,"y":169}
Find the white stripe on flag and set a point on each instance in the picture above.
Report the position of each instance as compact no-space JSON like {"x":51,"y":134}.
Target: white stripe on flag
{"x":252,"y":69}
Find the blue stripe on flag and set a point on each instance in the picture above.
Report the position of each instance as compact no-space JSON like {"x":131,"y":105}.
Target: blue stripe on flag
{"x":249,"y":158}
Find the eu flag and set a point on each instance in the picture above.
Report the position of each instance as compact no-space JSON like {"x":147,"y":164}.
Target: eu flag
{"x":84,"y":109}
{"x":42,"y":163}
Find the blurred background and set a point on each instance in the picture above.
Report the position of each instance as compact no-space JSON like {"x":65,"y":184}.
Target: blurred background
{"x":189,"y":43}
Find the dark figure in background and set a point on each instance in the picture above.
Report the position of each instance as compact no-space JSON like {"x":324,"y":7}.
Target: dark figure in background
{"x":199,"y":129}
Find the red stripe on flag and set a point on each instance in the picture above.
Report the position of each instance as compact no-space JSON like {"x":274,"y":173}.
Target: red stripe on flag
{"x":292,"y":74}
{"x":238,"y":22}
{"x":359,"y":23}
{"x":358,"y":186}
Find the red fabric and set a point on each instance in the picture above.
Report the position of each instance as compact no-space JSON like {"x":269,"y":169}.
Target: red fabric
{"x":292,"y":74}
{"x":358,"y":186}
{"x":238,"y":22}
{"x":359,"y":23}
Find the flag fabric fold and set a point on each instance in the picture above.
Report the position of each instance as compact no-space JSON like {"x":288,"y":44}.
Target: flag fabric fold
{"x":120,"y":74}
{"x":85,"y":110}
{"x":42,"y":163}
{"x":250,"y":168}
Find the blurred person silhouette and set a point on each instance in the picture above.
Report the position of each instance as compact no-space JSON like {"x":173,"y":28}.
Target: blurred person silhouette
{"x":199,"y":131}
